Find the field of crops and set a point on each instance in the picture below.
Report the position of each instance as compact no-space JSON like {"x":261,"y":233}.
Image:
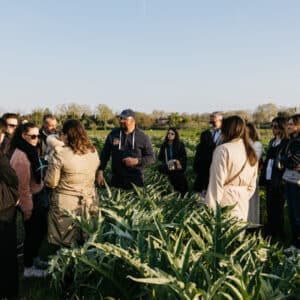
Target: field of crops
{"x":152,"y":244}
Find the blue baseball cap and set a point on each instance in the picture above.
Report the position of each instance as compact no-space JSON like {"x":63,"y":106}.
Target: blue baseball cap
{"x":126,"y":113}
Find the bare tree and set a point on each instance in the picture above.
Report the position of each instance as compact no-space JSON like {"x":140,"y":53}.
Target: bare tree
{"x":104,"y":114}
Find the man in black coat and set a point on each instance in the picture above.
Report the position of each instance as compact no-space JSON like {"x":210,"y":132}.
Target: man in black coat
{"x":130,"y":149}
{"x":209,"y":139}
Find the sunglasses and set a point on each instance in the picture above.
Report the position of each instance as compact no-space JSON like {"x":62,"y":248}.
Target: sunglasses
{"x":12,"y":125}
{"x":274,"y":126}
{"x":171,"y":133}
{"x":33,"y":136}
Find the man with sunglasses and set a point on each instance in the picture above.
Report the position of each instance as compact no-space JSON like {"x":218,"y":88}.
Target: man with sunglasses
{"x":12,"y":121}
{"x":130,"y":149}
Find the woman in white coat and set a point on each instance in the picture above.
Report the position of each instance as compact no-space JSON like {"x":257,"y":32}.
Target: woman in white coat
{"x":233,"y":171}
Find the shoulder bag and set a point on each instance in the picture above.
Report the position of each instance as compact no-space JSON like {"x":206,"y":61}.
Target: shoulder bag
{"x":237,"y":174}
{"x":291,"y":176}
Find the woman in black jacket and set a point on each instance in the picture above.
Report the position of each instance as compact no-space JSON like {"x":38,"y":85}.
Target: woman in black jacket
{"x":291,"y":161}
{"x":173,"y":156}
{"x":271,"y":178}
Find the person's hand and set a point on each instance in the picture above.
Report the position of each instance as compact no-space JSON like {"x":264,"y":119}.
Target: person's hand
{"x":100,"y":178}
{"x":298,"y":168}
{"x":27,"y":215}
{"x":178,"y":165}
{"x":130,"y":161}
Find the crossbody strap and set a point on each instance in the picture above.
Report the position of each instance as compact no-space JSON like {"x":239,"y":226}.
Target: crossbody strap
{"x":237,"y":174}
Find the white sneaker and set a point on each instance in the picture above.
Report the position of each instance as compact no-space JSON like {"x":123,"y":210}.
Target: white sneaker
{"x":34,"y":272}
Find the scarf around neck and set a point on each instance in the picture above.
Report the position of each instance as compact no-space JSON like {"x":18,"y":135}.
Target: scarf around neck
{"x":32,"y":154}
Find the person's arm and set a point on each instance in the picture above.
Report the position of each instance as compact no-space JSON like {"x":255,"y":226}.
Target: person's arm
{"x":105,"y":153}
{"x":23,"y":170}
{"x":53,"y":172}
{"x":197,"y":159}
{"x":104,"y":158}
{"x":217,"y":178}
{"x":147,"y":153}
{"x":292,"y":159}
{"x":7,"y":173}
{"x":182,"y":157}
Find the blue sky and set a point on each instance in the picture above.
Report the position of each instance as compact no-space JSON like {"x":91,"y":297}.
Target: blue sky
{"x":184,"y":56}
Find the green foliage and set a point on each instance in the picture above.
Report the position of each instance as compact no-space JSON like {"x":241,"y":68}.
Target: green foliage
{"x":151,"y":244}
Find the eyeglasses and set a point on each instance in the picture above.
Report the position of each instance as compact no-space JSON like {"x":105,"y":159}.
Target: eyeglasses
{"x":12,"y":125}
{"x":33,"y":136}
{"x":171,"y":133}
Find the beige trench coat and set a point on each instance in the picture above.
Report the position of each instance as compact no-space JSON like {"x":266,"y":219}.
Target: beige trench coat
{"x":228,"y":160}
{"x":72,"y":177}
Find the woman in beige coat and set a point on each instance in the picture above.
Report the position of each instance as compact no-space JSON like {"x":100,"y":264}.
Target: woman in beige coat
{"x":71,"y":173}
{"x":233,"y":170}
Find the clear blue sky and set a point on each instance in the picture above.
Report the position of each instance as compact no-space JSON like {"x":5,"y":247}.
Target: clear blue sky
{"x":185,"y":56}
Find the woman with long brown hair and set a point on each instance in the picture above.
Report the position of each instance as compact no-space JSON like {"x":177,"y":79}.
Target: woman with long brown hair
{"x":71,"y":174}
{"x":233,"y":170}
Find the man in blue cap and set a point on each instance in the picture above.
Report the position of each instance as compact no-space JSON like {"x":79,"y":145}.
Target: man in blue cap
{"x":130,"y":149}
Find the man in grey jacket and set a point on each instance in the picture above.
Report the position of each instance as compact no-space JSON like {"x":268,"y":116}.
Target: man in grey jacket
{"x":130,"y":149}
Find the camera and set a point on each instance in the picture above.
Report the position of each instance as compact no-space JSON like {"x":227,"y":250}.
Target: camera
{"x":171,"y":164}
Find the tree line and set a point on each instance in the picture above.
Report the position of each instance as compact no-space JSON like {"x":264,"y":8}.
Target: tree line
{"x":103,"y":117}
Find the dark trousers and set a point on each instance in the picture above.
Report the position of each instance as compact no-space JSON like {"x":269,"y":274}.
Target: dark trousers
{"x":293,"y":201}
{"x":35,"y":230}
{"x":179,"y":182}
{"x":9,"y":283}
{"x":125,"y":183}
{"x":275,"y":209}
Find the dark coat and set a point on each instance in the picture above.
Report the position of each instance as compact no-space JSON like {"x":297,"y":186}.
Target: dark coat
{"x":119,"y":145}
{"x":202,"y":160}
{"x":291,"y":158}
{"x":178,"y":152}
{"x":176,"y":177}
{"x":273,"y":152}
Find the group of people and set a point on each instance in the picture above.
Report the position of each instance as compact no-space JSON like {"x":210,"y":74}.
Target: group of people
{"x":55,"y":171}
